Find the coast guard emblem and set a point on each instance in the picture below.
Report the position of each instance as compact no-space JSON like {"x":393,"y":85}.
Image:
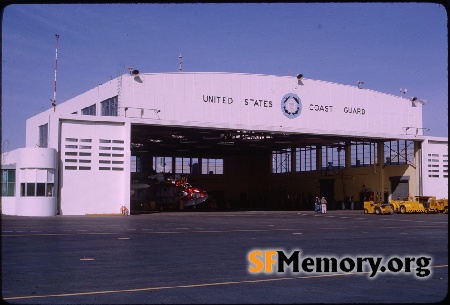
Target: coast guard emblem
{"x":291,"y":105}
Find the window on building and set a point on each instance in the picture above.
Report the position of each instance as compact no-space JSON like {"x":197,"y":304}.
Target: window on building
{"x":363,"y":154}
{"x":109,"y":107}
{"x":33,"y":189}
{"x":91,"y":110}
{"x":333,"y":157}
{"x":186,"y":165}
{"x":212,"y":166}
{"x":306,"y":159}
{"x":399,"y":152}
{"x":281,"y":161}
{"x":162,"y":164}
{"x":8,"y":182}
{"x":43,"y":136}
{"x":136,"y":164}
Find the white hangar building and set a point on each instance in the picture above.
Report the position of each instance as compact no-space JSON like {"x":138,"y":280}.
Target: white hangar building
{"x":252,"y":141}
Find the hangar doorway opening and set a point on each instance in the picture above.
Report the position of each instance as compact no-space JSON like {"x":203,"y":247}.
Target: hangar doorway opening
{"x":327,"y":191}
{"x":253,"y":169}
{"x":400,"y":187}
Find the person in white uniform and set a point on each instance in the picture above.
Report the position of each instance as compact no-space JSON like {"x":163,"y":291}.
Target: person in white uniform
{"x":323,"y":202}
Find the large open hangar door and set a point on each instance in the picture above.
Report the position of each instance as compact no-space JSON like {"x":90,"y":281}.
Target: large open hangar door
{"x":239,"y":169}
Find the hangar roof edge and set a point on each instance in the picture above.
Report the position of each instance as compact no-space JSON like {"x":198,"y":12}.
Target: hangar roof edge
{"x":260,"y":74}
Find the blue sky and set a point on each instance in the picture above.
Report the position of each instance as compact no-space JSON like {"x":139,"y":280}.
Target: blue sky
{"x":387,"y":45}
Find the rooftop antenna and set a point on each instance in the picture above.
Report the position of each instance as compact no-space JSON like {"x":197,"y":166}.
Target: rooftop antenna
{"x":56,"y":68}
{"x":181,"y":62}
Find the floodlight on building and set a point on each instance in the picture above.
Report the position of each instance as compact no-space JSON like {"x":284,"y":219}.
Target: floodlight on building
{"x":359,"y":83}
{"x":133,"y":72}
{"x":299,"y":78}
{"x":415,"y":128}
{"x":415,"y":101}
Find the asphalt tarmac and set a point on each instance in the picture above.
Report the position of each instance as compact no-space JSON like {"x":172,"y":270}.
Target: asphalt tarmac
{"x":195,"y":257}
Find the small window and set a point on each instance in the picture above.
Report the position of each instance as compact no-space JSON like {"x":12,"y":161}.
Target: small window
{"x":212,"y":166}
{"x":91,"y":110}
{"x":109,"y":106}
{"x":31,"y":187}
{"x":40,"y":189}
{"x":49,"y":189}
{"x":43,"y":135}
{"x":8,"y":182}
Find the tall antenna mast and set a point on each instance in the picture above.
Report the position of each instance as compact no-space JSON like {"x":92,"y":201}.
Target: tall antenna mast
{"x":181,"y":62}
{"x":56,"y":68}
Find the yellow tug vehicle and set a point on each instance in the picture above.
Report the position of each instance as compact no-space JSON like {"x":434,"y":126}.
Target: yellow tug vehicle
{"x":442,"y":204}
{"x":420,"y":204}
{"x":371,"y":207}
{"x":433,"y":205}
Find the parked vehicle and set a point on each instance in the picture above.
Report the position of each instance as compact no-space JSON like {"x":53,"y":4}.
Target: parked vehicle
{"x":408,"y":206}
{"x":371,"y":207}
{"x":433,"y":205}
{"x":420,"y":204}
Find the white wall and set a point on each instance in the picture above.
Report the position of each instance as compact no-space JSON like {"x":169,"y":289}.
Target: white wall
{"x":33,"y":165}
{"x":94,"y":163}
{"x":254,"y":102}
{"x":435,"y":167}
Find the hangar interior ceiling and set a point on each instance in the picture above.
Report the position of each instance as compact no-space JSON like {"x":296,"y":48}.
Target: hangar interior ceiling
{"x":162,"y":140}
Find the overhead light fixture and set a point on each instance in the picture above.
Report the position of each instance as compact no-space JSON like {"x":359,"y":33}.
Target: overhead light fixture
{"x":360,"y":83}
{"x":226,"y":143}
{"x":177,"y":136}
{"x":188,"y":141}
